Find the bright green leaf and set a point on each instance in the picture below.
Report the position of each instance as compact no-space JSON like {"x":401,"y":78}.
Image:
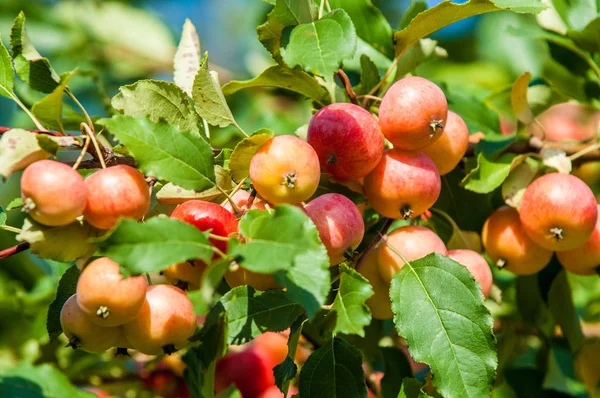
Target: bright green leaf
{"x":439,"y":309}
{"x":49,"y":110}
{"x":14,"y":204}
{"x":349,"y":304}
{"x":167,"y":153}
{"x":490,"y":174}
{"x":43,"y":381}
{"x":239,"y":162}
{"x":66,"y":288}
{"x":187,"y":58}
{"x":7,"y":73}
{"x":154,"y":245}
{"x":333,"y":371}
{"x":18,"y":149}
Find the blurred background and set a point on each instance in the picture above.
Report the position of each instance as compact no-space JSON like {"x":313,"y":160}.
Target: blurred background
{"x":118,"y":42}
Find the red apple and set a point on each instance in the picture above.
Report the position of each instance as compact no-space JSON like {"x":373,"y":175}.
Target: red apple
{"x":567,"y":122}
{"x":477,"y":266}
{"x":250,"y":370}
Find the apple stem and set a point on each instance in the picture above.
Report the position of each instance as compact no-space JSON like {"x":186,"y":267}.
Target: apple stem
{"x":557,"y":233}
{"x":103,"y":312}
{"x":406,"y":212}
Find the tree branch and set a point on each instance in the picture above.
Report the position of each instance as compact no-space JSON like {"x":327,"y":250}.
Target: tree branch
{"x":11,"y":251}
{"x":344,"y":78}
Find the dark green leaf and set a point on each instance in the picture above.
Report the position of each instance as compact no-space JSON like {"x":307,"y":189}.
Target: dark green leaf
{"x":49,"y":110}
{"x":333,"y":371}
{"x":162,"y":150}
{"x":284,"y":372}
{"x":349,"y":304}
{"x":157,"y":99}
{"x":43,"y":381}
{"x":154,"y":245}
{"x":281,"y":77}
{"x":369,"y":75}
{"x":187,"y":58}
{"x":447,"y":328}
{"x":31,"y":67}
{"x":560,"y":303}
{"x":239,"y":162}
{"x":533,"y":309}
{"x":397,"y":368}
{"x":66,"y":288}
{"x":7,"y":73}
{"x":204,"y":297}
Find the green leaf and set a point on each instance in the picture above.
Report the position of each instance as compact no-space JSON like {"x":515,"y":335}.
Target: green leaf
{"x":415,"y":8}
{"x":490,"y":174}
{"x":154,"y":245}
{"x":14,"y":204}
{"x":518,"y":99}
{"x":349,"y":304}
{"x":212,"y":276}
{"x":167,"y":153}
{"x":411,"y":388}
{"x":66,"y":288}
{"x":321,"y":46}
{"x":49,"y":110}
{"x":65,"y":243}
{"x":172,"y":194}
{"x":333,"y":371}
{"x":446,"y":13}
{"x":43,"y":381}
{"x":287,"y":370}
{"x":422,"y":51}
{"x":230,"y":392}
{"x":369,"y":74}
{"x":397,"y":368}
{"x":49,"y":144}
{"x":371,"y":25}
{"x":447,"y":328}
{"x":281,"y":77}
{"x":208,"y":97}
{"x":589,"y":37}
{"x":560,"y":373}
{"x":531,"y":306}
{"x":251,"y":313}
{"x":560,"y":303}
{"x":187,"y":58}
{"x":7,"y":73}
{"x":239,"y":162}
{"x":577,"y":13}
{"x":18,"y":149}
{"x":284,"y":372}
{"x":517,"y":182}
{"x":158,"y":100}
{"x":31,"y":67}
{"x":476,"y":114}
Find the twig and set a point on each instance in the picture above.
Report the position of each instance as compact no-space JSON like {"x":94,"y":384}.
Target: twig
{"x":99,"y":153}
{"x":371,"y":97}
{"x":344,"y":78}
{"x":10,"y":229}
{"x":11,"y":251}
{"x":374,"y":242}
{"x":82,"y":154}
{"x":535,"y":145}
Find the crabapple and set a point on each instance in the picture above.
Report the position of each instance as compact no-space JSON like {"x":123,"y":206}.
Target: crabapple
{"x":53,"y":193}
{"x":208,"y":216}
{"x":82,"y":332}
{"x":413,"y":113}
{"x":251,"y":371}
{"x":508,"y":245}
{"x":285,"y":170}
{"x":379,"y":303}
{"x":276,"y":345}
{"x":584,"y":259}
{"x":241,"y":198}
{"x":113,"y":193}
{"x":452,"y":145}
{"x":107,"y":297}
{"x":403,"y":185}
{"x":558,"y":211}
{"x":188,"y":274}
{"x":413,"y":242}
{"x":340,"y":224}
{"x":347,"y":139}
{"x":589,"y":172}
{"x":477,"y":266}
{"x":242,"y":276}
{"x":567,"y":122}
{"x":164,"y":323}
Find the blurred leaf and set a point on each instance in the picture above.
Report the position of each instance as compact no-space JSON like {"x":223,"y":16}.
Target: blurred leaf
{"x":18,"y":149}
{"x":422,"y":51}
{"x":518,"y":99}
{"x":371,"y":25}
{"x":239,"y":162}
{"x":281,"y":77}
{"x":349,"y":304}
{"x":251,"y":313}
{"x":588,"y":38}
{"x":31,"y":67}
{"x":41,"y":381}
{"x":163,"y":151}
{"x":564,"y":81}
{"x":208,"y":97}
{"x":531,"y":306}
{"x":369,"y":74}
{"x":2,"y":217}
{"x":230,"y":392}
{"x":7,"y":74}
{"x":560,"y":373}
{"x":49,"y":110}
{"x":415,"y":8}
{"x":65,"y":243}
{"x":212,"y":276}
{"x":321,"y":46}
{"x":156,"y":100}
{"x":335,"y":371}
{"x":66,"y":288}
{"x":449,"y":329}
{"x":518,"y":180}
{"x":560,"y":303}
{"x":154,"y":245}
{"x":491,"y":146}
{"x":187,"y":58}
{"x":587,"y":365}
{"x":576,"y":13}
{"x":476,"y":114}
{"x":172,"y":194}
{"x":397,"y":368}
{"x":490,"y":174}
{"x":411,"y":388}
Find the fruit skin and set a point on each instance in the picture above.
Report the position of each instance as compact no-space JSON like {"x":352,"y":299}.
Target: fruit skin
{"x":55,"y":192}
{"x":452,"y":145}
{"x":116,"y":192}
{"x":82,"y":332}
{"x":242,"y":276}
{"x":558,"y":211}
{"x":477,"y":266}
{"x":166,"y":318}
{"x":275,"y":392}
{"x":379,"y":304}
{"x":508,"y":245}
{"x":347,"y":139}
{"x":285,"y":170}
{"x":187,"y":273}
{"x":107,"y":297}
{"x":413,"y":113}
{"x":250,"y":370}
{"x":567,"y":122}
{"x":403,"y":185}
{"x":241,"y":200}
{"x":206,"y":215}
{"x":589,"y":172}
{"x":584,"y":259}
{"x":413,"y":241}
{"x":276,"y":345}
{"x":339,"y":222}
